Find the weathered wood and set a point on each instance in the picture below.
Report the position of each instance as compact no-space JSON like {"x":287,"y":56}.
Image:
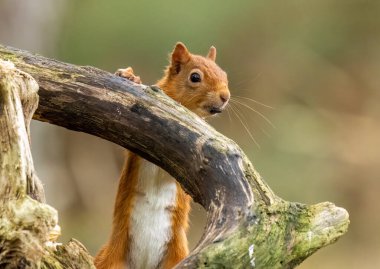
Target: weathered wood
{"x":26,"y":223}
{"x":248,"y":225}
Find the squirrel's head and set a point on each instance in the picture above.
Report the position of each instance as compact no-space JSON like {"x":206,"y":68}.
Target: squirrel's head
{"x":196,"y":82}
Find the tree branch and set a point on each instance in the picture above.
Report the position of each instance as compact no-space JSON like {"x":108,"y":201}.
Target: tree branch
{"x":248,"y":225}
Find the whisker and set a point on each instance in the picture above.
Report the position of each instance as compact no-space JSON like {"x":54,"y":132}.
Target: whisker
{"x":253,"y":100}
{"x":254,"y":110}
{"x":191,"y":99}
{"x":245,"y":126}
{"x":229,"y":115}
{"x":243,"y":116}
{"x":265,"y":132}
{"x":248,"y":80}
{"x":240,"y":113}
{"x":257,"y":76}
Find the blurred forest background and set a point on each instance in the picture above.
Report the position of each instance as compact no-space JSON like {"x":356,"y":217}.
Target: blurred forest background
{"x":316,"y":62}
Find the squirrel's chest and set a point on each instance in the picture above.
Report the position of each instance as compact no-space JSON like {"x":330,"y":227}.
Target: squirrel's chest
{"x":151,"y":218}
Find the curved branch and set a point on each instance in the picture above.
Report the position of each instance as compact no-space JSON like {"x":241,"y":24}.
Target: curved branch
{"x":248,"y":225}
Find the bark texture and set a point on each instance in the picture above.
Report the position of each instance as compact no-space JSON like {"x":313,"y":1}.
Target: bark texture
{"x":248,"y":225}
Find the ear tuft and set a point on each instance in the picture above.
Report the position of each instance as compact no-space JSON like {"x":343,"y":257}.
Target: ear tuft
{"x":212,"y":53}
{"x":180,"y":54}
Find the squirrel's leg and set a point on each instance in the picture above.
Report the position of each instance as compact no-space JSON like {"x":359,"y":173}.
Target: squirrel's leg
{"x":128,"y":74}
{"x":114,"y":254}
{"x":177,"y":248}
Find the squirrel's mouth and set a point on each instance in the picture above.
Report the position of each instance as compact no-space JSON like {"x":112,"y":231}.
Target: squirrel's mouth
{"x":211,"y":109}
{"x":215,"y":110}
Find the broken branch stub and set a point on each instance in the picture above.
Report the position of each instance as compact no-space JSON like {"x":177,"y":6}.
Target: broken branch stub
{"x":27,"y":224}
{"x":248,"y":225}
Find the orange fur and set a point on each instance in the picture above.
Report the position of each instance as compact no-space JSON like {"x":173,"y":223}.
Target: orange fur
{"x":112,"y":255}
{"x":198,"y":97}
{"x":205,"y":98}
{"x":177,"y":248}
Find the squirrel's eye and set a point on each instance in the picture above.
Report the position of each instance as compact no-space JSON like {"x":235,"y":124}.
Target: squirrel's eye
{"x":195,"y":77}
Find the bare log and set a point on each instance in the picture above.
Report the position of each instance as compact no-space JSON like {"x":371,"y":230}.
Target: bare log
{"x":248,"y":225}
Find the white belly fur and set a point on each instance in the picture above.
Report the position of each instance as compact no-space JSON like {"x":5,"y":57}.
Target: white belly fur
{"x":150,"y":222}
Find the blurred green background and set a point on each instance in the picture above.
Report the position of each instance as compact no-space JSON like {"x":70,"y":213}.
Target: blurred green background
{"x":316,"y":63}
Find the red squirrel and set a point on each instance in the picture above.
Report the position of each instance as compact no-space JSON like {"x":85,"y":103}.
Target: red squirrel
{"x":151,"y":211}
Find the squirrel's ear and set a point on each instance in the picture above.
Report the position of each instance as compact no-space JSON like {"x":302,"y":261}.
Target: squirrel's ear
{"x":180,"y":54}
{"x":212,"y":53}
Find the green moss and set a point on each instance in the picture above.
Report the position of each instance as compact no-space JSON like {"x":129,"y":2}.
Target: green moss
{"x":279,"y":237}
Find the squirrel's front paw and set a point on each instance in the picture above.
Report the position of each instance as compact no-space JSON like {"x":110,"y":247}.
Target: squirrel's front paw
{"x":128,"y":74}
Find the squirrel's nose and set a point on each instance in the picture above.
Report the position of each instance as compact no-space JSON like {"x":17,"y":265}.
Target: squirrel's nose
{"x":225,"y":96}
